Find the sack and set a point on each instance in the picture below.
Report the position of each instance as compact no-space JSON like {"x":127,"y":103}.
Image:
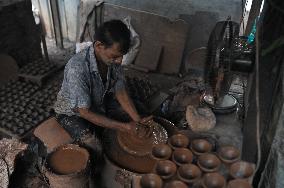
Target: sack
{"x":134,"y":44}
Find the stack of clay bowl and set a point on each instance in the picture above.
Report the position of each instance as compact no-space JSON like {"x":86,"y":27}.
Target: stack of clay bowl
{"x":196,"y":163}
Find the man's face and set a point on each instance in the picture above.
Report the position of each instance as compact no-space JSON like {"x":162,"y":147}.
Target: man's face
{"x":108,"y":55}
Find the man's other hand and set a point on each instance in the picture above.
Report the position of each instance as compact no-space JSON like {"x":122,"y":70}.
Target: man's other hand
{"x":147,"y":119}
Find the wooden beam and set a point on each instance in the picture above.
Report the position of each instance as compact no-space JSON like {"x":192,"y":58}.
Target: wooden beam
{"x":254,"y":12}
{"x":56,"y":23}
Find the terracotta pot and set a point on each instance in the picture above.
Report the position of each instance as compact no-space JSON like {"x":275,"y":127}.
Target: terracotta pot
{"x":208,"y":162}
{"x":161,"y":151}
{"x":213,"y":180}
{"x":151,"y":181}
{"x":239,"y":183}
{"x":241,"y":170}
{"x":176,"y":184}
{"x":200,"y":146}
{"x":68,"y":166}
{"x":182,"y":156}
{"x":166,"y":169}
{"x":229,"y":154}
{"x":178,"y":141}
{"x":189,"y":173}
{"x":68,"y":159}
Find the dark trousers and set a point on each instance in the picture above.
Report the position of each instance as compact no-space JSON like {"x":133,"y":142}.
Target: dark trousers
{"x":84,"y":132}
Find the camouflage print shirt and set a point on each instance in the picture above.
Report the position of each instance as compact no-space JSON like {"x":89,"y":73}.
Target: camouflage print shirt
{"x":82,"y":86}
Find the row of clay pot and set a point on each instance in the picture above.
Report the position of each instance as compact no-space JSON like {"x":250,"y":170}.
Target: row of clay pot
{"x":174,"y":163}
{"x":210,"y":180}
{"x":15,"y":89}
{"x":37,"y":68}
{"x":198,"y":147}
{"x":27,"y":108}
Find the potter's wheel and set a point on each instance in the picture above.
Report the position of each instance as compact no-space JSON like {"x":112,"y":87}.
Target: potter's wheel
{"x":122,"y":152}
{"x":142,"y":146}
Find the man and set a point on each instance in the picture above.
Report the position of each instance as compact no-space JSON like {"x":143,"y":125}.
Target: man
{"x":89,"y":77}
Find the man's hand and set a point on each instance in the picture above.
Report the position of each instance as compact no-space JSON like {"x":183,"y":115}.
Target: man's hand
{"x":139,"y":129}
{"x":147,"y":119}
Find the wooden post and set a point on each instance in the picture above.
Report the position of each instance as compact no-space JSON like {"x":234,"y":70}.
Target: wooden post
{"x":56,"y":23}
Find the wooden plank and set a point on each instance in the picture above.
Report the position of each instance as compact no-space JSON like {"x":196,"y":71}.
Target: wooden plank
{"x":63,"y":17}
{"x":155,"y":29}
{"x":56,"y":23}
{"x":45,"y":16}
{"x":196,"y":59}
{"x":149,"y":56}
{"x":72,"y":12}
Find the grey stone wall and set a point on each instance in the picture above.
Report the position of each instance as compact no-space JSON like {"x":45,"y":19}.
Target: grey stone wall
{"x":174,"y":8}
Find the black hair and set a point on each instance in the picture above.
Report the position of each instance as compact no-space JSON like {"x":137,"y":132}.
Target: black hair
{"x":114,"y":31}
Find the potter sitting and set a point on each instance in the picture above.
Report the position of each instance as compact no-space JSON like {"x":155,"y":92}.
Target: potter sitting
{"x":93,"y":79}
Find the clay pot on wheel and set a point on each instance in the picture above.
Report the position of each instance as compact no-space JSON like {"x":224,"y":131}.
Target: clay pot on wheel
{"x":229,"y":154}
{"x":213,"y":180}
{"x":239,"y":183}
{"x":200,"y":146}
{"x":178,"y":141}
{"x":241,"y":170}
{"x":166,"y":169}
{"x":151,"y":181}
{"x":208,"y":162}
{"x":189,"y":173}
{"x":161,"y":151}
{"x":182,"y":156}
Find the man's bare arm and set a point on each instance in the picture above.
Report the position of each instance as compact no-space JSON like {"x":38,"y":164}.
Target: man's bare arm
{"x":105,"y":122}
{"x":126,"y":103}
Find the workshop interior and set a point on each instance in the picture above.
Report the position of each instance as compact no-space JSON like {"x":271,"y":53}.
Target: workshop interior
{"x":209,"y":74}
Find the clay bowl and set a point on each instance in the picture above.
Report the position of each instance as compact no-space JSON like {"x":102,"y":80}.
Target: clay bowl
{"x":213,"y":180}
{"x":239,"y":183}
{"x":68,"y":159}
{"x":241,"y":170}
{"x":200,"y":146}
{"x":182,"y":156}
{"x":229,"y":154}
{"x":166,"y":169}
{"x":151,"y":181}
{"x":176,"y":184}
{"x":161,"y":152}
{"x":208,"y":162}
{"x":189,"y":173}
{"x":178,"y":141}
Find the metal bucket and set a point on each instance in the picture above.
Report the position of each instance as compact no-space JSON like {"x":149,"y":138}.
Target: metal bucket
{"x":68,"y":167}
